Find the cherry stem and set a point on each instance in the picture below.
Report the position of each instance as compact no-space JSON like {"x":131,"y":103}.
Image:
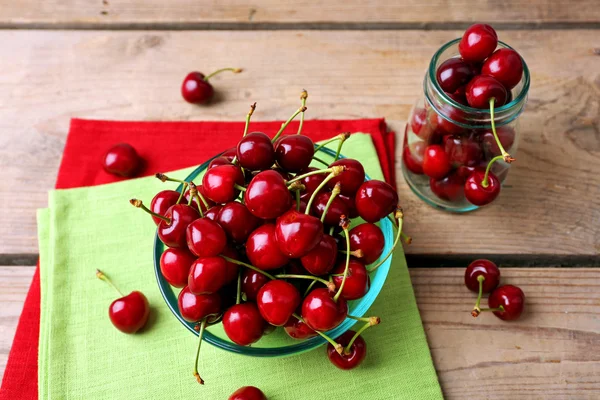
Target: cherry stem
{"x":485,"y":182}
{"x":248,"y":116}
{"x":338,"y":347}
{"x":200,"y":334}
{"x":103,"y":277}
{"x":344,"y":224}
{"x":310,"y":286}
{"x":321,"y":161}
{"x":317,"y":190}
{"x":313,"y":278}
{"x":336,"y":190}
{"x":252,"y":267}
{"x":239,"y":187}
{"x":407,"y":239}
{"x":372,"y":320}
{"x":303,"y":98}
{"x":138,"y":203}
{"x":239,"y":288}
{"x":286,"y":123}
{"x":331,"y":230}
{"x":341,"y":137}
{"x":505,"y":156}
{"x":165,"y":178}
{"x":358,"y":253}
{"x":298,"y":200}
{"x":194,"y":193}
{"x":340,"y":144}
{"x":317,"y":172}
{"x":234,"y":70}
{"x":358,"y":333}
{"x":183,"y":188}
{"x":501,"y":309}
{"x":399,"y":215}
{"x":477,"y":310}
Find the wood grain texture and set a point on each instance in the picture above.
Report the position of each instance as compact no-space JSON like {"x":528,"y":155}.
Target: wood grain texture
{"x":551,"y":205}
{"x":156,"y":12}
{"x":553,"y":352}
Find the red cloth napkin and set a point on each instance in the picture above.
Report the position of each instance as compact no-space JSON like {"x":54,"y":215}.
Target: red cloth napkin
{"x":165,"y":146}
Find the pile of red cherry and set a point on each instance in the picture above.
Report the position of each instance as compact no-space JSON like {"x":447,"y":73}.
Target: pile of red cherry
{"x":458,"y":160}
{"x":264,"y":241}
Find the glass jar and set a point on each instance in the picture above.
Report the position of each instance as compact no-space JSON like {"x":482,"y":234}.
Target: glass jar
{"x":463,"y":132}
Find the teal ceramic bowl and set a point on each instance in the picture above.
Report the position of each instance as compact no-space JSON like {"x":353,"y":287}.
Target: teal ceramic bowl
{"x":277,"y":343}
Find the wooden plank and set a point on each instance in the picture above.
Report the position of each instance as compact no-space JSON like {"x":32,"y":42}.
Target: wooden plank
{"x":157,"y":12}
{"x":550,"y":207}
{"x":553,"y":352}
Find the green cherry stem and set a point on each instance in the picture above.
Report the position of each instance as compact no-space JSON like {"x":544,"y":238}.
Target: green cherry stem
{"x":336,"y":190}
{"x":340,"y":144}
{"x":505,"y":155}
{"x":501,"y":309}
{"x":298,"y":200}
{"x":100,"y":275}
{"x":138,"y":203}
{"x":335,"y":172}
{"x":303,"y":98}
{"x":344,"y":223}
{"x":286,"y":123}
{"x":183,"y":189}
{"x":317,"y":159}
{"x":239,"y":187}
{"x":317,"y":172}
{"x":407,"y":239}
{"x":194,"y":194}
{"x":238,"y":295}
{"x":372,"y":320}
{"x":234,"y":70}
{"x":399,"y":215}
{"x":310,"y":286}
{"x":485,"y":181}
{"x":252,"y":267}
{"x":163,"y":178}
{"x":330,"y":285}
{"x":338,"y":347}
{"x":200,"y":335}
{"x":366,"y":326}
{"x":477,"y":310}
{"x":248,"y":116}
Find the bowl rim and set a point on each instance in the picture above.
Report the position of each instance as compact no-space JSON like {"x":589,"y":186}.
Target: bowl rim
{"x":168,"y":293}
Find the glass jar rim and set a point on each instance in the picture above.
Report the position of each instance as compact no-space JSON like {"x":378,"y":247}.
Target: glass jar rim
{"x":518,"y":100}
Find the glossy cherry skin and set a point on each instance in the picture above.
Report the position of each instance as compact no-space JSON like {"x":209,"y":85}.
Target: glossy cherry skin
{"x":231,"y":273}
{"x":349,"y":201}
{"x":267,"y":195}
{"x":122,"y":160}
{"x":478,"y":42}
{"x":357,"y":280}
{"x":485,"y":268}
{"x":369,"y":239}
{"x":252,"y":281}
{"x":414,"y":162}
{"x":195,"y":89}
{"x":295,"y":152}
{"x":213,"y":212}
{"x":337,"y":208}
{"x":162,"y":201}
{"x":194,"y":308}
{"x":263,"y":250}
{"x":482,"y":88}
{"x":449,"y":188}
{"x":375,"y":199}
{"x":219,"y":183}
{"x":243,"y":324}
{"x":207,"y":275}
{"x":297,"y":233}
{"x":476,"y":193}
{"x":321,"y":312}
{"x":356,"y":354}
{"x":511,"y":298}
{"x":506,"y":66}
{"x":351,"y":178}
{"x":175,"y":265}
{"x":248,"y":393}
{"x":297,"y":329}
{"x":506,"y":135}
{"x":237,"y":222}
{"x":454,"y":73}
{"x":173,"y":233}
{"x":436,"y":163}
{"x":255,"y":152}
{"x":418,"y":120}
{"x":218,"y":161}
{"x":321,"y":259}
{"x":445,"y":126}
{"x":205,"y":238}
{"x":311,"y":182}
{"x":277,"y":300}
{"x":129,"y":313}
{"x":462,"y":150}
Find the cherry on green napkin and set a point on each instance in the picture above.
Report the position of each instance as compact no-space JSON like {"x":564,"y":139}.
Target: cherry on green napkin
{"x":82,"y":356}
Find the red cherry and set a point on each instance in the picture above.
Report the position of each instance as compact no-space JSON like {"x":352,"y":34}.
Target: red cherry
{"x":263,"y":250}
{"x":349,"y":201}
{"x":506,"y":134}
{"x":294,"y":153}
{"x":297,"y":329}
{"x":311,"y":182}
{"x":297,"y":233}
{"x":122,"y":160}
{"x":162,"y":202}
{"x":351,"y":178}
{"x":129,"y":313}
{"x":207,"y":275}
{"x":173,"y":233}
{"x":213,"y":213}
{"x":175,"y":266}
{"x":267,"y":195}
{"x":484,"y":268}
{"x":418,"y":120}
{"x":194,"y":308}
{"x":449,"y":188}
{"x":219,"y":161}
{"x":454,"y":73}
{"x":248,"y":393}
{"x":460,"y":95}
{"x":436,"y":163}
{"x":375,"y":199}
{"x":357,"y":280}
{"x":230,"y":153}
{"x":232,"y":268}
{"x":205,"y":238}
{"x":321,"y":259}
{"x":219,"y":183}
{"x":506,"y":66}
{"x":252,"y":281}
{"x":201,"y":190}
{"x":476,"y":193}
{"x":195,"y":89}
{"x":478,"y":42}
{"x":446,"y":125}
{"x":462,"y":150}
{"x":337,"y":208}
{"x":482,"y":88}
{"x":413,"y":159}
{"x":237,"y":221}
{"x":321,"y":312}
{"x":369,"y":239}
{"x":277,"y":300}
{"x":243,"y":324}
{"x":511,"y":298}
{"x":355,"y":355}
{"x":255,"y":152}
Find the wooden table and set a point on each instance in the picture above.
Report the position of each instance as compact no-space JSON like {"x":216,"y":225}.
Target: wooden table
{"x":126,"y":59}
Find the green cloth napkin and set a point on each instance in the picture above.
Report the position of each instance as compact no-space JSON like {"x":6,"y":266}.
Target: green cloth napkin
{"x":82,"y":356}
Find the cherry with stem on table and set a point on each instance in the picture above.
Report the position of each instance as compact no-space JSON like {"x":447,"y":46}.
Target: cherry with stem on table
{"x":196,"y":88}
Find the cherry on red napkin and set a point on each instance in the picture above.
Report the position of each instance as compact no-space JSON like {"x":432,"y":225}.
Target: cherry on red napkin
{"x":165,"y":146}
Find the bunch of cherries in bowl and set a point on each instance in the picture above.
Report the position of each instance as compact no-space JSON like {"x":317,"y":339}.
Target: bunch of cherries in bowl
{"x":264,"y":241}
{"x":457,"y":160}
